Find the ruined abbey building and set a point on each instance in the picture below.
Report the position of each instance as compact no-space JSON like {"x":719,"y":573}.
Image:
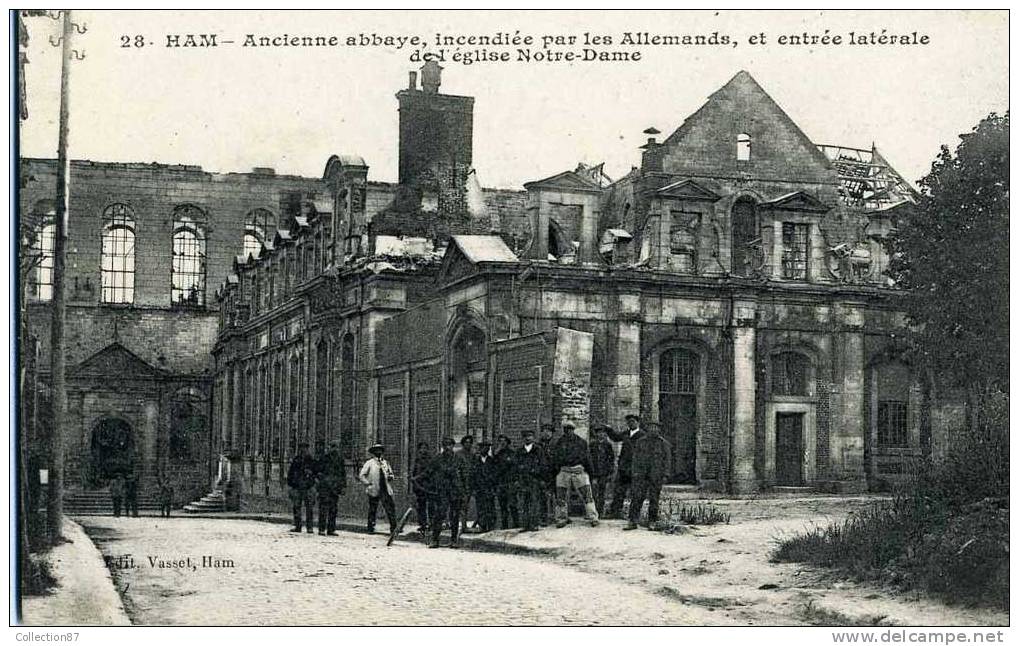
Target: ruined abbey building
{"x":730,"y":287}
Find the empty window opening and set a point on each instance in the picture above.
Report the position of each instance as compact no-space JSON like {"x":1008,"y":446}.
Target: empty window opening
{"x":743,"y":147}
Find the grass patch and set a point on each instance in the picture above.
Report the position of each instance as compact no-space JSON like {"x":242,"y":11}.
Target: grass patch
{"x":815,"y":615}
{"x":946,"y":532}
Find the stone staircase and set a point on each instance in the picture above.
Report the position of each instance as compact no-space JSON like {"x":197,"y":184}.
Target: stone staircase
{"x":99,"y":503}
{"x":210,"y":502}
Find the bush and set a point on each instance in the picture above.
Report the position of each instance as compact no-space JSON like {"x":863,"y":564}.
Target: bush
{"x":946,"y":533}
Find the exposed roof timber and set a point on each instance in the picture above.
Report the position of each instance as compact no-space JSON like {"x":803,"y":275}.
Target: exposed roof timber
{"x":868,"y":180}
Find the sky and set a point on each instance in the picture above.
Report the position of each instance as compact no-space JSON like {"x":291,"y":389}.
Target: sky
{"x":231,"y":108}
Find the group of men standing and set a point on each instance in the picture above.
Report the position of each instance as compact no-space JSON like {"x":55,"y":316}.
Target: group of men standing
{"x":320,"y":480}
{"x":529,"y":486}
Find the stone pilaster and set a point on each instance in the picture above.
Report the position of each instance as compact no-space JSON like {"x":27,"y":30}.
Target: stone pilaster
{"x":744,"y":339}
{"x":848,"y":428}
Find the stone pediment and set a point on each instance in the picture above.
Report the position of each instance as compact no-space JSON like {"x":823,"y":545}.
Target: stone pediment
{"x":465,"y":251}
{"x":798,"y":201}
{"x":566,"y":181}
{"x":116,"y":361}
{"x":687,"y":189}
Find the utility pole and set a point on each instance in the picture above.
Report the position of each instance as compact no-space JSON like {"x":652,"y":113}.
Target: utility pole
{"x":55,"y":490}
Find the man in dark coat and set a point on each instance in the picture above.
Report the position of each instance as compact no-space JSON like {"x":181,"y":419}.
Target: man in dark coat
{"x":652,"y":462}
{"x":571,"y":462}
{"x":332,"y":482}
{"x":165,"y":498}
{"x":532,"y":478}
{"x":506,"y":489}
{"x":447,"y":484}
{"x":117,"y":493}
{"x":603,"y":464}
{"x":466,"y":451}
{"x":418,"y":484}
{"x":484,"y":483}
{"x":301,"y":480}
{"x":131,"y":495}
{"x":546,"y":439}
{"x":628,"y":437}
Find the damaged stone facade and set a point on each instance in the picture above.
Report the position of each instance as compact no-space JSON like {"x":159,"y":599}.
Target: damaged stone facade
{"x":729,"y":288}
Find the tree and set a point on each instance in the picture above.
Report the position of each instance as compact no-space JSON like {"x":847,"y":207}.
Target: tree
{"x":951,"y":254}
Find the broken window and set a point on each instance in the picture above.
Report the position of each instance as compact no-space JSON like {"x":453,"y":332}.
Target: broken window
{"x":188,"y":268}
{"x":117,"y":263}
{"x":795,"y":239}
{"x":256,"y":228}
{"x":744,"y":237}
{"x":40,"y":284}
{"x":790,"y":374}
{"x":683,"y":241}
{"x":743,"y":147}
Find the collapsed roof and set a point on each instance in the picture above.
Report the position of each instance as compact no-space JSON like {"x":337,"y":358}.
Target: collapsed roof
{"x":867,"y":180}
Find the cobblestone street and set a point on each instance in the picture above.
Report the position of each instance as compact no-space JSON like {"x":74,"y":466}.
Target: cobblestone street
{"x":279,"y":578}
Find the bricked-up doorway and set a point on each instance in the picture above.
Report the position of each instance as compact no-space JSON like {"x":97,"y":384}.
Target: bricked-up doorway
{"x":677,"y":410}
{"x":112,"y":450}
{"x":468,"y":374}
{"x":789,"y":449}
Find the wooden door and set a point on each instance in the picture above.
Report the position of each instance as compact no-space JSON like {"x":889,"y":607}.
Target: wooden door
{"x":789,"y":449}
{"x":678,"y":415}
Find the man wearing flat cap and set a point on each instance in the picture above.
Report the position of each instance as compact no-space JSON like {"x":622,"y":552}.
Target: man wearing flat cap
{"x":377,"y":477}
{"x":301,"y":480}
{"x":448,"y":475}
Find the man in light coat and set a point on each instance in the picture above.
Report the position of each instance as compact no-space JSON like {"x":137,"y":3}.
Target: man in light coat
{"x":377,"y":477}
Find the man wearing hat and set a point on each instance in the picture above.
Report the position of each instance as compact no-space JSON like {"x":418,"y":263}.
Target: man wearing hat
{"x":376,"y":476}
{"x":603,"y":464}
{"x":332,"y":481}
{"x":628,"y":437}
{"x":484,"y":484}
{"x":532,"y":474}
{"x":447,"y":478}
{"x":651,"y":465}
{"x":301,"y":480}
{"x":571,"y":463}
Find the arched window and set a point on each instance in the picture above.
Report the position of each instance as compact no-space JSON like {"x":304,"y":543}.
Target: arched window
{"x":256,"y":228}
{"x":188,"y":269}
{"x":744,"y":237}
{"x":117,"y":262}
{"x":678,"y":371}
{"x":40,"y":282}
{"x":294,"y":405}
{"x":322,"y":390}
{"x":790,"y":374}
{"x":743,"y":147}
{"x":347,"y":361}
{"x":262,"y":437}
{"x":678,"y":377}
